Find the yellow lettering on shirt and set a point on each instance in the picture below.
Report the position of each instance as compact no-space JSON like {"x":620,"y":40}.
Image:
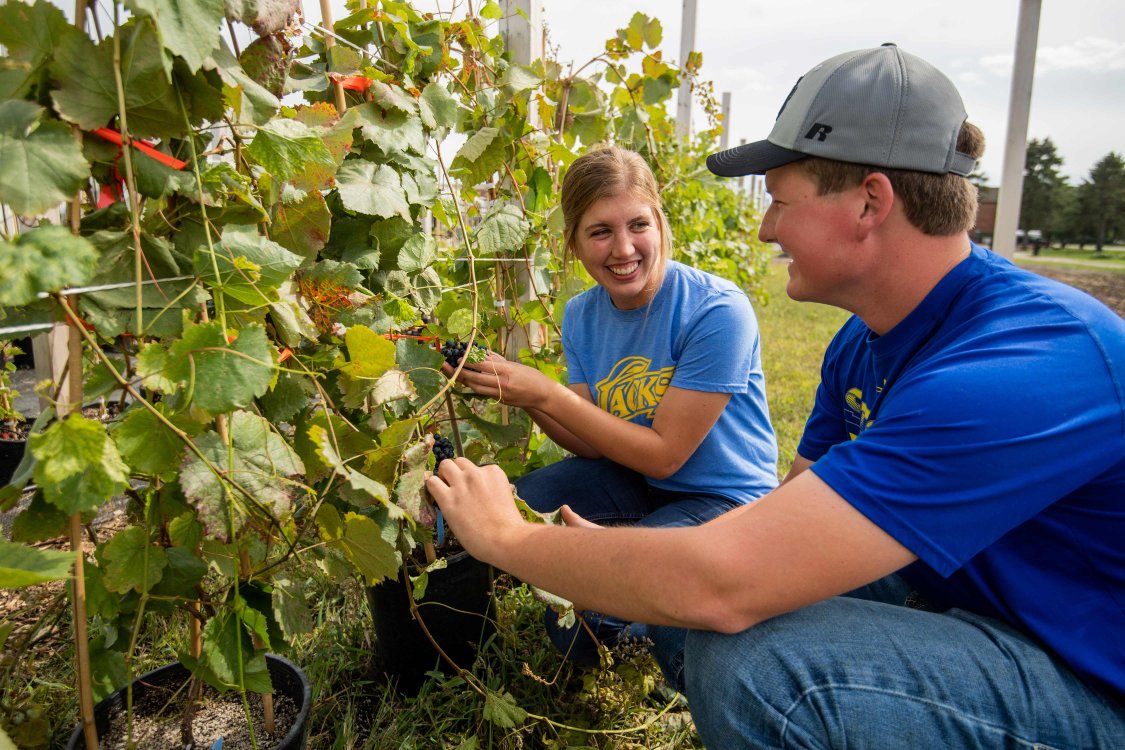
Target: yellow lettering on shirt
{"x":632,"y":388}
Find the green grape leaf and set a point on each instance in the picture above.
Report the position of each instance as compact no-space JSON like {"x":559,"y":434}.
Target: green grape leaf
{"x":460,"y":322}
{"x":25,"y":566}
{"x":146,"y":444}
{"x":418,"y":253}
{"x":328,"y":452}
{"x":285,"y":148}
{"x":423,"y":365}
{"x":31,"y":34}
{"x":47,"y":259}
{"x":251,"y":102}
{"x":369,"y":354}
{"x":39,"y":521}
{"x":303,"y":227}
{"x":190,"y":30}
{"x":260,"y":461}
{"x":480,"y":155}
{"x":492,"y":11}
{"x":229,"y":660}
{"x":250,"y":266}
{"x":152,"y":364}
{"x":412,"y":497}
{"x":185,"y":570}
{"x":41,"y":164}
{"x":392,"y":130}
{"x":502,"y":710}
{"x":222,"y":377}
{"x":254,"y":620}
{"x":87,"y":95}
{"x":438,"y":108}
{"x":79,"y":467}
{"x":391,"y":386}
{"x":290,"y":608}
{"x":373,"y":556}
{"x":264,"y":16}
{"x":267,"y":60}
{"x":372,"y":189}
{"x":389,"y":96}
{"x":502,"y":232}
{"x":130,"y":562}
{"x":519,"y":78}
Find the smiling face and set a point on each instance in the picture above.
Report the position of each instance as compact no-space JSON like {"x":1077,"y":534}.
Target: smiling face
{"x":817,"y":232}
{"x":618,"y":240}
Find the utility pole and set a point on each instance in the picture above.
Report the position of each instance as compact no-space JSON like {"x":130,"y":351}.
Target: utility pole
{"x":1015,"y":147}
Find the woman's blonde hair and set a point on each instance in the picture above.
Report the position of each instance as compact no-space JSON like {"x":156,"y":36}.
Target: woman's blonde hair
{"x":608,"y":172}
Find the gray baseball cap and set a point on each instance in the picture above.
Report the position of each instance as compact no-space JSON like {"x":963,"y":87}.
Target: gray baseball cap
{"x":880,"y":107}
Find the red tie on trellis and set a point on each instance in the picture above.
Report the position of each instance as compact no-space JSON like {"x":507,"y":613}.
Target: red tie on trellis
{"x":351,"y":83}
{"x":112,"y":192}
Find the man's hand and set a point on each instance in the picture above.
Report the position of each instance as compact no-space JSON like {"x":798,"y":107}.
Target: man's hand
{"x":478,"y":505}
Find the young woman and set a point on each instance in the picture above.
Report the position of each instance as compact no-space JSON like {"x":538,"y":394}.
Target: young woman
{"x":665,"y":409}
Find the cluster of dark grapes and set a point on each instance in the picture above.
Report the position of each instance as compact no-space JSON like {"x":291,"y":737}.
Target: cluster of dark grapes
{"x":443,"y":449}
{"x":453,"y":351}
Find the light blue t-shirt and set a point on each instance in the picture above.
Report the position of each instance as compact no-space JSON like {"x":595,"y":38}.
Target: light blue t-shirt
{"x":699,"y":333}
{"x":986,"y":433}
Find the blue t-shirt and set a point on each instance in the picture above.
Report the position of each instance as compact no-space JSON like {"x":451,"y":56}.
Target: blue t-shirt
{"x":986,"y":433}
{"x":699,"y":333}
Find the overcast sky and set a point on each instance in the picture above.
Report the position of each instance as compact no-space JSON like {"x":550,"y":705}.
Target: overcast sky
{"x":757,"y":49}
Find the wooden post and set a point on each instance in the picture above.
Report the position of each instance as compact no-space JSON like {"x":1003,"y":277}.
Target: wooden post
{"x":1015,"y":148}
{"x":329,"y":43}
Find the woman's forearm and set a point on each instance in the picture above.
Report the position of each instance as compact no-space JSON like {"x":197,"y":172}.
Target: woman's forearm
{"x":564,"y":437}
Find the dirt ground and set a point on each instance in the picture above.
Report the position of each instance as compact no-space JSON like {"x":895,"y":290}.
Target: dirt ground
{"x":1107,"y":286}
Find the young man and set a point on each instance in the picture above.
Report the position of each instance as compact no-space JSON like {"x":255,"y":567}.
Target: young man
{"x":944,"y":565}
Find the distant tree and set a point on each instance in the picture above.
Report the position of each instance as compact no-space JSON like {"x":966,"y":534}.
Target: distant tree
{"x":1041,"y":185}
{"x":979,"y":177}
{"x":1104,"y":198}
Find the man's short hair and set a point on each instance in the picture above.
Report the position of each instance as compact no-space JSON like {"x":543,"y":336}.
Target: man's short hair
{"x":936,"y":204}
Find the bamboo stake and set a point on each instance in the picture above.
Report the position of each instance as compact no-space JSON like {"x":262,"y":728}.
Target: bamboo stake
{"x":329,"y":43}
{"x":70,"y":398}
{"x":267,"y":698}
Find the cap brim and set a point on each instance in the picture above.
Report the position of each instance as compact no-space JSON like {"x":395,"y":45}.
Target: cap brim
{"x":751,"y":158}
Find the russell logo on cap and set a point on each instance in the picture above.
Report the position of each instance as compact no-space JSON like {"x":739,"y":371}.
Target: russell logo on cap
{"x":910,"y":118}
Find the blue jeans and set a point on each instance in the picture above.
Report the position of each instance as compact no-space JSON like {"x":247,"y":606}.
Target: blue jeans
{"x":864,"y":671}
{"x":607,"y":493}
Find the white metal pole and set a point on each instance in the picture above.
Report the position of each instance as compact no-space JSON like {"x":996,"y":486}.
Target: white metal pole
{"x":687,"y":46}
{"x":1015,"y":148}
{"x":725,"y":139}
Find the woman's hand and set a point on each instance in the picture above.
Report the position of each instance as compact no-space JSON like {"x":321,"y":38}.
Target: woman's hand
{"x":478,"y":505}
{"x":509,"y":382}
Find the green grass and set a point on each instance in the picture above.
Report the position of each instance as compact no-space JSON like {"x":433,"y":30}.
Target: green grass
{"x":1111,"y":259}
{"x":794,"y":337}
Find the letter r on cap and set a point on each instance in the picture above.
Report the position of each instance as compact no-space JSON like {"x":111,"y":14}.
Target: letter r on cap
{"x":818,"y":131}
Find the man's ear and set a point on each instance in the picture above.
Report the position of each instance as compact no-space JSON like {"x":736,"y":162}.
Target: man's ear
{"x":878,"y":200}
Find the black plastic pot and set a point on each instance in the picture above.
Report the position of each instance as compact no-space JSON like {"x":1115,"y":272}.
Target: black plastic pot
{"x":11,"y":453}
{"x":457,"y":611}
{"x":287,"y":678}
